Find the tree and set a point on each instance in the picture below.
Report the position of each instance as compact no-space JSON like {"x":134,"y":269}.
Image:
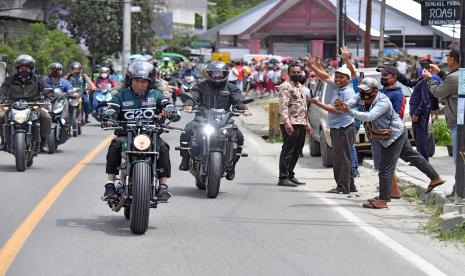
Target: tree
{"x":99,"y":24}
{"x":142,"y":33}
{"x":227,"y":9}
{"x":45,"y":46}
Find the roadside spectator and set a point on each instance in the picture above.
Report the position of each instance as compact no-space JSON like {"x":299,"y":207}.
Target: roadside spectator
{"x":294,"y":125}
{"x":342,"y":128}
{"x":240,"y":76}
{"x":347,"y":59}
{"x":395,"y":144}
{"x":389,"y":76}
{"x":420,"y":109}
{"x":233,"y":75}
{"x":447,"y":90}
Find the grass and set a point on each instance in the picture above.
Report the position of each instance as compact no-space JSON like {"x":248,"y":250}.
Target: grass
{"x":277,"y":140}
{"x":434,"y":210}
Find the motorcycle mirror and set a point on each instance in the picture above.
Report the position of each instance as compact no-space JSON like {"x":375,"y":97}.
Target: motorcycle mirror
{"x":47,"y":91}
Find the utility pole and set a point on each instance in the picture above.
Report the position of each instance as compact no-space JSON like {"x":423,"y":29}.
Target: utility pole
{"x":126,"y":34}
{"x":340,"y":25}
{"x":358,"y":29}
{"x":381,"y":33}
{"x":367,"y":34}
{"x":460,"y":146}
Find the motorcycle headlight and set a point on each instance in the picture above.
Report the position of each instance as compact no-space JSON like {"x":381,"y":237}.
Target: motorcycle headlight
{"x":142,"y":142}
{"x":224,"y":131}
{"x":21,"y":116}
{"x":208,"y":130}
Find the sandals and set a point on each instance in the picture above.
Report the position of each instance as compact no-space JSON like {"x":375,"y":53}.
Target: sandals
{"x":377,"y":197}
{"x":431,"y":186}
{"x":376,"y":204}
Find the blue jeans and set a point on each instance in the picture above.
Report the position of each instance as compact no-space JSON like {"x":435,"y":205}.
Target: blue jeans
{"x":354,"y":151}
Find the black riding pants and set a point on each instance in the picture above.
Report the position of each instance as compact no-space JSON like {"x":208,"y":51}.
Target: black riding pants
{"x":114,"y":157}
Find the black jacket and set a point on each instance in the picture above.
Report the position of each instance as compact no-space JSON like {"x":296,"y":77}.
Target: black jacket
{"x":14,"y":89}
{"x":216,"y":97}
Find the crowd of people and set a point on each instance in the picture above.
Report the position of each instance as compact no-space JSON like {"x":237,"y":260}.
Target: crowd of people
{"x":380,"y":106}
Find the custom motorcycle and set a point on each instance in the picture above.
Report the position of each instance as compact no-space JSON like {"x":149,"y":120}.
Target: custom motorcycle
{"x":138,"y":185}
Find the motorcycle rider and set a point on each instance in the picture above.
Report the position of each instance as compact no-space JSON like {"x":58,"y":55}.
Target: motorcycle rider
{"x":77,"y":79}
{"x":214,"y":92}
{"x":104,"y":77}
{"x":166,"y":64}
{"x":189,"y":71}
{"x":55,"y":79}
{"x":139,"y":94}
{"x":26,"y":85}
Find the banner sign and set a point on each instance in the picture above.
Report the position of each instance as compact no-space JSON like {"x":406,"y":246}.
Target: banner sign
{"x":440,"y":12}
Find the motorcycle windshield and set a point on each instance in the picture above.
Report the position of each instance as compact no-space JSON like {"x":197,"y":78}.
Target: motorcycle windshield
{"x":100,"y":97}
{"x":104,"y":87}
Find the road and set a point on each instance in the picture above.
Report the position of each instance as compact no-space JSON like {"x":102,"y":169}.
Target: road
{"x":254,"y":227}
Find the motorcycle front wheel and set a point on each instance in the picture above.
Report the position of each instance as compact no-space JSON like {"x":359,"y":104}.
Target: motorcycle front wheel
{"x":215,"y":166}
{"x":140,"y":206}
{"x":20,"y":151}
{"x":51,"y":141}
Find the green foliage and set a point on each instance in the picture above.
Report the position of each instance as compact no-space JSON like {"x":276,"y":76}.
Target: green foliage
{"x":100,"y":23}
{"x":227,"y":9}
{"x":442,"y":134}
{"x":45,"y":46}
{"x":180,"y":43}
{"x":141,"y":32}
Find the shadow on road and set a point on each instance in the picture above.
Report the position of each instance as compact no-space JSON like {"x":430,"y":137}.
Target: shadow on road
{"x":112,"y":225}
{"x":187,"y":192}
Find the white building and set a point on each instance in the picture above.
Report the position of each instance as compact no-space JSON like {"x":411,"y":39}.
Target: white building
{"x":185,"y":13}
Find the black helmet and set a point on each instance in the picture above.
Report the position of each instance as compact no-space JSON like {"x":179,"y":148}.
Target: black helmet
{"x":141,"y":70}
{"x":217,"y":73}
{"x":55,"y":66}
{"x":75,"y":65}
{"x":25,"y":60}
{"x":107,"y":63}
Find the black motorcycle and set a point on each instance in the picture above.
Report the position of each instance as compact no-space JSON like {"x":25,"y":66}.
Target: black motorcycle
{"x":188,"y":83}
{"x":60,"y":130}
{"x":22,"y":131}
{"x":138,"y":185}
{"x":214,"y":147}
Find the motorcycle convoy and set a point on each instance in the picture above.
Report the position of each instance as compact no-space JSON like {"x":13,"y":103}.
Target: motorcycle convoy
{"x":213,"y":149}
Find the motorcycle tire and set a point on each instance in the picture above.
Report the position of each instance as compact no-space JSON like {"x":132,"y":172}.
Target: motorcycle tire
{"x":200,"y":183}
{"x":74,"y":123}
{"x":140,"y":206}
{"x":20,"y":151}
{"x":127,"y":212}
{"x":51,"y":141}
{"x":215,"y":167}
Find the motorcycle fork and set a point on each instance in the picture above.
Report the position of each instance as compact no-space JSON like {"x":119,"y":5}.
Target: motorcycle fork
{"x":154,"y":166}
{"x":206,"y":154}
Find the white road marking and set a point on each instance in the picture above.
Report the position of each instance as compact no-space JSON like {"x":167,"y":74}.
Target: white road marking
{"x":405,"y":253}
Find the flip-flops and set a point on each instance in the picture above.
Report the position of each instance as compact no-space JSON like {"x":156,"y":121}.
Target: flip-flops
{"x":377,"y":197}
{"x":432,"y":186}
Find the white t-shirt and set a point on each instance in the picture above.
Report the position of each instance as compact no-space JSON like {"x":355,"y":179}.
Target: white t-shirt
{"x":233,"y":74}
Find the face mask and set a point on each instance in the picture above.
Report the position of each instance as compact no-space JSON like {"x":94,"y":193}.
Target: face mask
{"x":296,"y":78}
{"x":302,"y":80}
{"x":24,"y":74}
{"x":366,"y":96}
{"x":104,"y":75}
{"x":384,"y":82}
{"x":55,"y":74}
{"x":76,"y":75}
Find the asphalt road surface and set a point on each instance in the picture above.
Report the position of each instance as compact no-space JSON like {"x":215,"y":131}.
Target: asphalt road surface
{"x":254,"y":227}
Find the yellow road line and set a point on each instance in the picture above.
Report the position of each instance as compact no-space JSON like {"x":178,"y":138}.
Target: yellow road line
{"x":16,"y":241}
